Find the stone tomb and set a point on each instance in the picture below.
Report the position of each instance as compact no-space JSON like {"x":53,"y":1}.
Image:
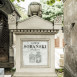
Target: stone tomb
{"x":35,"y":50}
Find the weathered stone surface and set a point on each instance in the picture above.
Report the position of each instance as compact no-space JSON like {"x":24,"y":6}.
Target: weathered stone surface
{"x":67,"y":73}
{"x":70,"y":35}
{"x":35,"y":8}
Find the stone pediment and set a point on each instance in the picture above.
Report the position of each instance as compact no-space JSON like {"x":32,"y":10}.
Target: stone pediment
{"x":35,"y":22}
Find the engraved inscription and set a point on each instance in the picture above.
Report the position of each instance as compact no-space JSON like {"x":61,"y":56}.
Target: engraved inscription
{"x":35,"y":52}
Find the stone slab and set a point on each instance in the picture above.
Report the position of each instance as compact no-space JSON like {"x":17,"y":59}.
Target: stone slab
{"x":53,"y":74}
{"x":1,"y":72}
{"x":7,"y":75}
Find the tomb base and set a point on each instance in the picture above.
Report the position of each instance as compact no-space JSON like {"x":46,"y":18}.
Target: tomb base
{"x":35,"y":75}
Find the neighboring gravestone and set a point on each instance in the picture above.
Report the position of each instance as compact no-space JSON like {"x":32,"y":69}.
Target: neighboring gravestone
{"x":6,"y":59}
{"x":35,"y":49}
{"x":1,"y":72}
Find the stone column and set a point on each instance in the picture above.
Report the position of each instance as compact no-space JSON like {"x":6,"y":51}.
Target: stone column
{"x":12,"y":25}
{"x":10,"y":44}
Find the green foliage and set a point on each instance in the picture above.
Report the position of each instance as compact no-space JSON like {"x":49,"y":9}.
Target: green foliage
{"x":13,"y":70}
{"x":17,"y":0}
{"x":21,"y":11}
{"x":60,"y":70}
{"x":50,"y":12}
{"x":51,"y":2}
{"x":12,"y":0}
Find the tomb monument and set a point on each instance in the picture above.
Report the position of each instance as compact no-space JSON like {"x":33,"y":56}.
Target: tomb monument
{"x":33,"y":39}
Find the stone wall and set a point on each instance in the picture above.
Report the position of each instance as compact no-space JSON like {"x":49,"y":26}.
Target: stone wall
{"x":70,"y":36}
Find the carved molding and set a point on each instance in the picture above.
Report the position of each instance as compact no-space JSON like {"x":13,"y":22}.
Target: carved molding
{"x":34,"y":31}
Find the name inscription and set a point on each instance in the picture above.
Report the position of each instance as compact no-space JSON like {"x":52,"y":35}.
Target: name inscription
{"x":34,"y":46}
{"x":35,"y":52}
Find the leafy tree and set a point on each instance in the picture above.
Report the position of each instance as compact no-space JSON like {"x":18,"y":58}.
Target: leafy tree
{"x":21,"y":11}
{"x":16,"y":0}
{"x":51,"y":2}
{"x":51,"y":11}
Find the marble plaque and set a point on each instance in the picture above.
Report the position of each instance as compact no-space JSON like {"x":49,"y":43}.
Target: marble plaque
{"x":35,"y":53}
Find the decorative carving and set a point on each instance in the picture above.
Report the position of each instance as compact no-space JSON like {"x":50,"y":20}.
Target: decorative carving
{"x":35,"y":8}
{"x":32,"y":58}
{"x":38,"y":57}
{"x":33,"y":30}
{"x":11,"y":19}
{"x":35,"y":58}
